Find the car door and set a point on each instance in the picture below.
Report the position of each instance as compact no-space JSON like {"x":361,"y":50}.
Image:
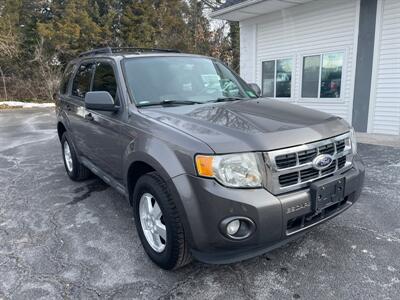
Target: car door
{"x":75,"y":105}
{"x":102,"y":133}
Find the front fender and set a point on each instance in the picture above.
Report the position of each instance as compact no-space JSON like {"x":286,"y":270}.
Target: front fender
{"x":166,"y":157}
{"x":168,"y":160}
{"x":153,"y":153}
{"x":63,"y":119}
{"x":149,"y":160}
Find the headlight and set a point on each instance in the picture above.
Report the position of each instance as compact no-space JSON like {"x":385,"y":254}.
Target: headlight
{"x":232,"y":170}
{"x":353,"y":140}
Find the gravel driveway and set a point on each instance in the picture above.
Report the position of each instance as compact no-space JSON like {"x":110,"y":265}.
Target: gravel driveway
{"x":61,"y":239}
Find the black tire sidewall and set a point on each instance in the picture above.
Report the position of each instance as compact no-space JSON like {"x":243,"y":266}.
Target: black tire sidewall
{"x":168,"y":258}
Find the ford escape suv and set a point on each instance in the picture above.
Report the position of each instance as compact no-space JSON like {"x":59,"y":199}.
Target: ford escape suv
{"x":212,"y":170}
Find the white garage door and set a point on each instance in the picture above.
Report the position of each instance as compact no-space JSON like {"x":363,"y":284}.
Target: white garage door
{"x":385,"y":92}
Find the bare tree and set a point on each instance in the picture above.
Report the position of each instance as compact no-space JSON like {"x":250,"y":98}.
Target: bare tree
{"x":212,"y":3}
{"x":49,"y":69}
{"x":8,"y":49}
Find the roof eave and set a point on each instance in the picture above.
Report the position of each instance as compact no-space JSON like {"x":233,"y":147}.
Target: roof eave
{"x":253,"y":8}
{"x":219,"y":14}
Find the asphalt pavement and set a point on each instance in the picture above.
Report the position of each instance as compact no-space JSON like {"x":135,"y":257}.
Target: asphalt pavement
{"x":61,"y":239}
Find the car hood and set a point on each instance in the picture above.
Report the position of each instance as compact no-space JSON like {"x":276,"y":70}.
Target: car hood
{"x":249,"y":125}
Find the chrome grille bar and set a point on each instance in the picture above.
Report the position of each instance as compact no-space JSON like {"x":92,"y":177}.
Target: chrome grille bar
{"x":277,"y":184}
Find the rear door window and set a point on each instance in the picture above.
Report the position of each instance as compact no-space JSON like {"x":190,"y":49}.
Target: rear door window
{"x":82,"y":80}
{"x":104,"y":79}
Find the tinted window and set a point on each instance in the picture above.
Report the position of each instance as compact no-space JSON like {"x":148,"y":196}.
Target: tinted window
{"x":283,"y":78}
{"x":268,"y":78}
{"x":327,"y":74}
{"x":331,"y":75}
{"x":83,"y":77}
{"x":104,"y":79}
{"x":65,"y":80}
{"x":310,"y":76}
{"x":277,"y":78}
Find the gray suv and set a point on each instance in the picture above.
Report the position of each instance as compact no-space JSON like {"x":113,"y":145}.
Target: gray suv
{"x":212,"y":170}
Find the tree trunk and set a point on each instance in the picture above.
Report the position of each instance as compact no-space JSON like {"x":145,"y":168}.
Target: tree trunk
{"x":234,"y":35}
{"x":4,"y":84}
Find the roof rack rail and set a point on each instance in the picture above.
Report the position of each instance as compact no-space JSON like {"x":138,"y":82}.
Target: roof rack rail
{"x":96,"y":51}
{"x":137,"y":50}
{"x":140,"y":49}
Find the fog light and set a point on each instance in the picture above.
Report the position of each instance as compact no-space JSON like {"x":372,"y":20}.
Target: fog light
{"x":233,"y":227}
{"x":237,"y":227}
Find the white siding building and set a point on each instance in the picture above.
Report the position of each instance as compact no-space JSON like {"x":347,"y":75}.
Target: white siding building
{"x":385,"y":90}
{"x":338,"y":56}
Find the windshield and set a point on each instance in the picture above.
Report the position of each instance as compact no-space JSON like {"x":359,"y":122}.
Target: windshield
{"x":153,"y":80}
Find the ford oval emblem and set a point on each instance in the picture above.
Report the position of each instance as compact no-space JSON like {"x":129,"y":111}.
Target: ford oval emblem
{"x":322,"y":161}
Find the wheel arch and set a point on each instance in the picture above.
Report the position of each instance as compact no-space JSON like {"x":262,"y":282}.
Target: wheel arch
{"x":143,"y":164}
{"x":60,"y":129}
{"x":136,"y":170}
{"x":139,"y":165}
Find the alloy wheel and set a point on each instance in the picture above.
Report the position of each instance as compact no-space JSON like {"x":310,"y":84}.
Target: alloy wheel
{"x":151,"y":219}
{"x":68,"y":157}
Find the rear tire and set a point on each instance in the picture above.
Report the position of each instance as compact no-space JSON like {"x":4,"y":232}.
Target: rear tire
{"x":173,"y":252}
{"x":75,"y":170}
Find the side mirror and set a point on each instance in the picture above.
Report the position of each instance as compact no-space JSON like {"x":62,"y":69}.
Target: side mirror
{"x":255,"y":88}
{"x":100,"y":100}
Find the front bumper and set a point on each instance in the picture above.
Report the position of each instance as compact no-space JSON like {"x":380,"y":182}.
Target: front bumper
{"x":278,"y":219}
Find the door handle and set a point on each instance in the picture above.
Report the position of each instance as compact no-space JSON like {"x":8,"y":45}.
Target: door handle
{"x":69,"y":107}
{"x":89,"y":117}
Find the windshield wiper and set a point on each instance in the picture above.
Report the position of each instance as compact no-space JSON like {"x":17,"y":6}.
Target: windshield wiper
{"x":226,"y":99}
{"x":172,"y":102}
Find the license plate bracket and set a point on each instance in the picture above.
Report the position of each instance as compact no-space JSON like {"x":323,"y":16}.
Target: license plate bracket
{"x":326,"y":192}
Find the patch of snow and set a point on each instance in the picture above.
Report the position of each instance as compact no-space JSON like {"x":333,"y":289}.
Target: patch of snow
{"x":26,"y":104}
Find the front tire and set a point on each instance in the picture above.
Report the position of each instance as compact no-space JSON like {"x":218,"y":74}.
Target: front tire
{"x":158,"y":223}
{"x":75,"y":170}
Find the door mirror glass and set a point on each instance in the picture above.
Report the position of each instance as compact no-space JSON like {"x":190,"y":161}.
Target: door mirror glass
{"x":100,"y":100}
{"x":255,"y":88}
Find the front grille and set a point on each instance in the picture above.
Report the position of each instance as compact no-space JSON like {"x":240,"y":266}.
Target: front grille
{"x":327,"y":149}
{"x":300,"y":223}
{"x":292,"y":168}
{"x":289,"y":179}
{"x":340,"y":146}
{"x":286,"y":161}
{"x":331,"y":168}
{"x":341,"y":162}
{"x":307,"y":156}
{"x":308,"y":174}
